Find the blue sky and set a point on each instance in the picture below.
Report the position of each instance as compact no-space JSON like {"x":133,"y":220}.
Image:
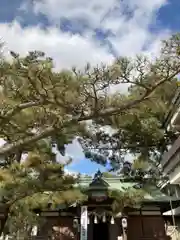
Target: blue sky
{"x":74,"y":32}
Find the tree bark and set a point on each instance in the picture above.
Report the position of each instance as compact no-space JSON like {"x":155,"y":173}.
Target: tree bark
{"x":12,"y":147}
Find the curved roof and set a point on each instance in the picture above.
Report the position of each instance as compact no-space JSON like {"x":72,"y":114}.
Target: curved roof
{"x":152,"y":193}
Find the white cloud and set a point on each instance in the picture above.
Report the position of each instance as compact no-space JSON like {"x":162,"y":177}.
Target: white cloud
{"x":66,"y":49}
{"x":2,"y":142}
{"x":96,"y":12}
{"x":127,"y":20}
{"x":70,"y":172}
{"x":149,"y":4}
{"x":130,"y":32}
{"x":74,"y":151}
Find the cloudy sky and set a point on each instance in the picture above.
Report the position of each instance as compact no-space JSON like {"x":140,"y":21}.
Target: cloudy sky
{"x":74,"y":32}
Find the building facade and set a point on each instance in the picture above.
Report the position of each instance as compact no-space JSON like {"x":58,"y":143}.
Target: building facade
{"x":171,"y":159}
{"x":94,"y":218}
{"x":171,"y":162}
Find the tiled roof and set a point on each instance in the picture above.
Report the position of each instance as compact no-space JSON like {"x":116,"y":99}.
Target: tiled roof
{"x":152,"y":193}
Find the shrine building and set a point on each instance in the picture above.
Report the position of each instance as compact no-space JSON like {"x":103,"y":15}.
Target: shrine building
{"x":95,"y":220}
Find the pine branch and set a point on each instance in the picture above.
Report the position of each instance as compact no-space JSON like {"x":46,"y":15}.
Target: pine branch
{"x":10,"y":148}
{"x":21,"y":107}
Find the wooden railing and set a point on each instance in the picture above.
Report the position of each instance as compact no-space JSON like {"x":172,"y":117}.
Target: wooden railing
{"x":155,"y":238}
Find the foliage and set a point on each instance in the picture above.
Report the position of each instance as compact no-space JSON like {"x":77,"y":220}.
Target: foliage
{"x":129,"y":198}
{"x":109,"y":175}
{"x":143,"y":172}
{"x":36,"y":183}
{"x":140,"y":130}
{"x":23,"y":215}
{"x":41,"y":107}
{"x":38,"y":102}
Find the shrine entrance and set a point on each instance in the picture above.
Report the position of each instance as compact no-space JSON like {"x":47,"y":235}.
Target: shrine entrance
{"x":94,"y":219}
{"x":101,"y":231}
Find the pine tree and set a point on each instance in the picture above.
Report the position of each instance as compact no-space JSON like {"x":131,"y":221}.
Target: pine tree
{"x":39,"y":102}
{"x":37,"y":182}
{"x":41,"y":107}
{"x":139,"y":131}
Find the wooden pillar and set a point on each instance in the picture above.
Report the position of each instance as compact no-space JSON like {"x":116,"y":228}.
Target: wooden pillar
{"x":113,"y":231}
{"x":44,"y":228}
{"x":90,"y":230}
{"x":4,"y":211}
{"x":142,"y":222}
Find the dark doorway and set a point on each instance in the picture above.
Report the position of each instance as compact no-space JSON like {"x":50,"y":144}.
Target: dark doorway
{"x":101,"y":231}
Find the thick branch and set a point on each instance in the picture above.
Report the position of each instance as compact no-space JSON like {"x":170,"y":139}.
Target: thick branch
{"x":10,"y":203}
{"x":12,"y":147}
{"x":127,"y":147}
{"x":21,"y":107}
{"x":130,"y":104}
{"x":9,"y":148}
{"x":40,"y":191}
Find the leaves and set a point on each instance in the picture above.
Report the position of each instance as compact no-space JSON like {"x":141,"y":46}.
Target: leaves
{"x":128,"y":198}
{"x":137,"y":131}
{"x":41,"y":108}
{"x":35,"y":182}
{"x":38,"y":102}
{"x":34,"y":185}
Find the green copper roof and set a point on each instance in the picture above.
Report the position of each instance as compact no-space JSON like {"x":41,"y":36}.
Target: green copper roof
{"x":112,"y":184}
{"x":152,"y":194}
